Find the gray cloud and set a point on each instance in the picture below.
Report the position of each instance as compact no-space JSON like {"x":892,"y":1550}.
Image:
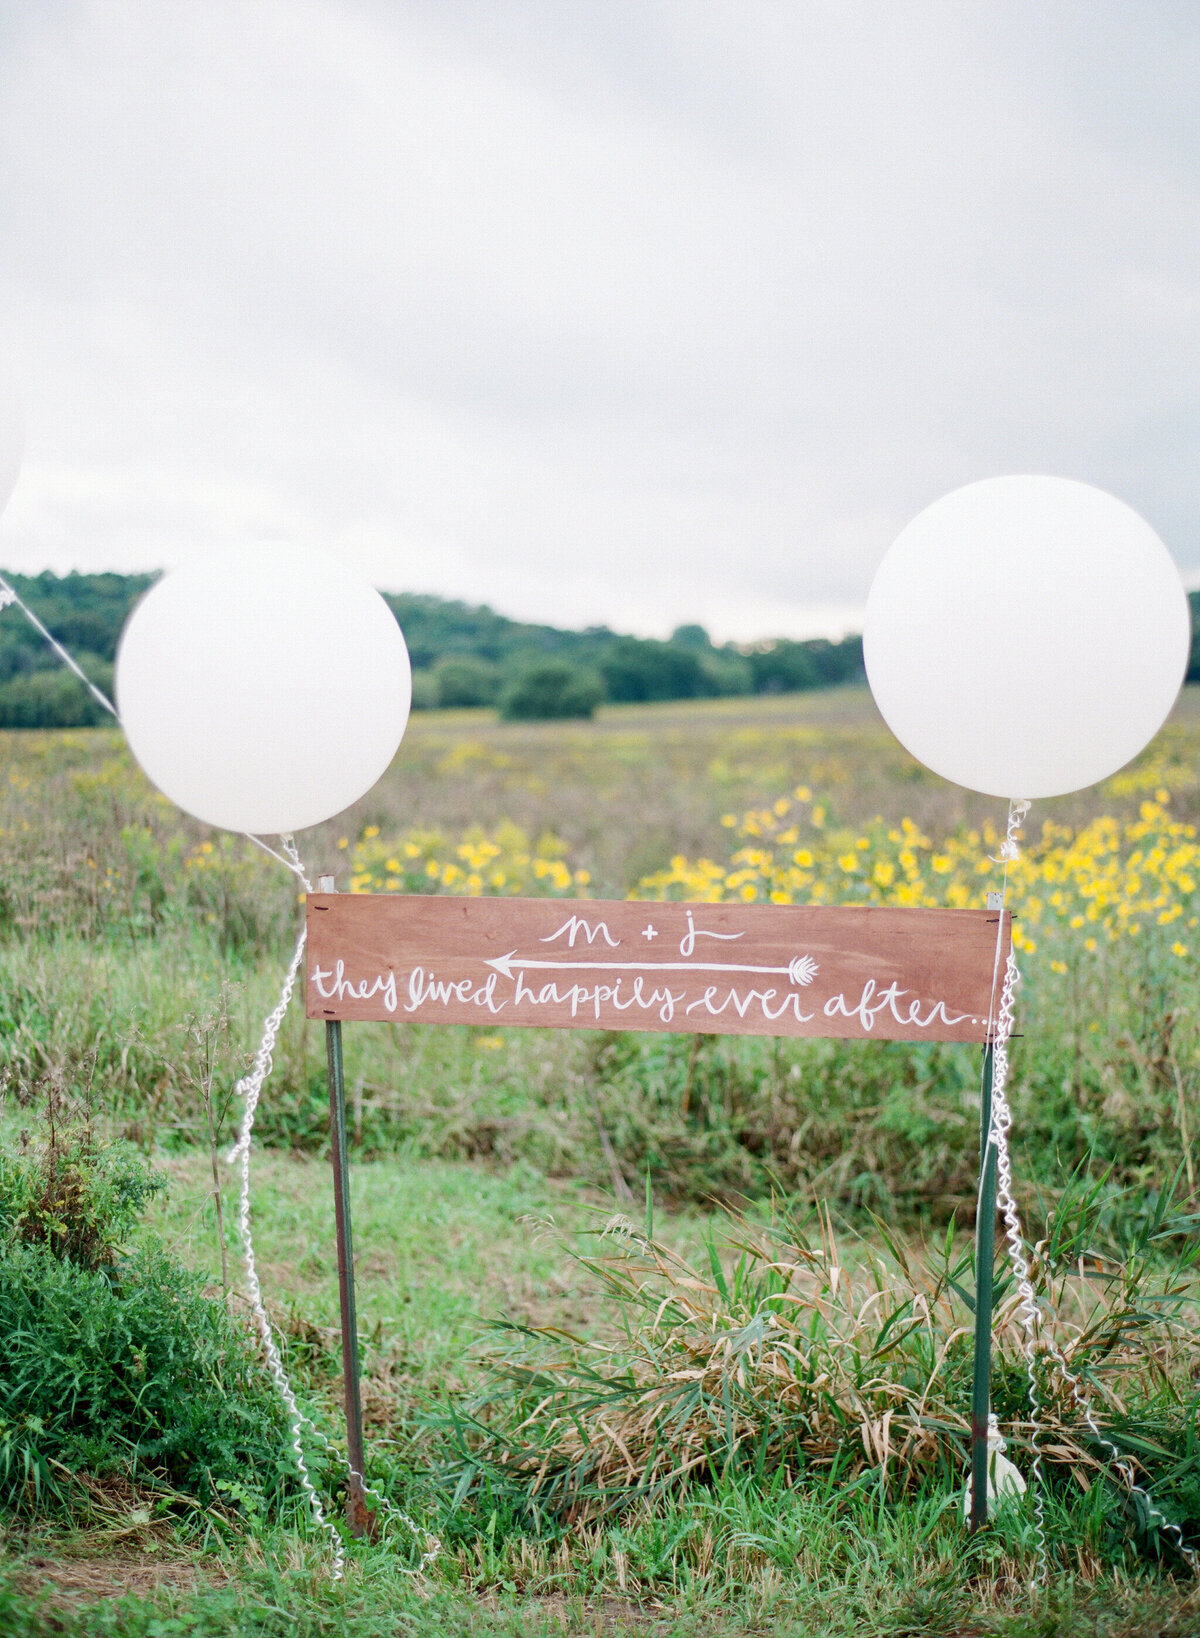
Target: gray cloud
{"x":642,"y":313}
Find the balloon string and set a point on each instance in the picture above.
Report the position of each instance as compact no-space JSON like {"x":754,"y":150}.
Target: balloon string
{"x":291,"y":862}
{"x":1006,"y":1201}
{"x":1000,"y":1026}
{"x":1031,"y":1318}
{"x":1008,"y":854}
{"x":250,"y":1086}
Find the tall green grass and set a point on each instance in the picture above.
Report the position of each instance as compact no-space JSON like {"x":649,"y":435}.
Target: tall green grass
{"x":770,"y":1437}
{"x":791,"y":1361}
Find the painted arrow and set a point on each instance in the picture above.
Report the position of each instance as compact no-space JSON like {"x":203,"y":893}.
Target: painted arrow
{"x":801,"y":969}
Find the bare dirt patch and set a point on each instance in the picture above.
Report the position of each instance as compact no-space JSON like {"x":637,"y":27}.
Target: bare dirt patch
{"x":69,"y":1580}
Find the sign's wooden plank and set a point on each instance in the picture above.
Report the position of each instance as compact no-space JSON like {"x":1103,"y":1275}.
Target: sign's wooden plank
{"x":851,"y":971}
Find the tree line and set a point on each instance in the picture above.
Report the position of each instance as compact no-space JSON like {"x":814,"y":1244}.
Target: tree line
{"x":86,"y":613}
{"x":463,"y":655}
{"x":470,"y":656}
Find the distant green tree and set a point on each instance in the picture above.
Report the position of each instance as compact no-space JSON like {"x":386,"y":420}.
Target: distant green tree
{"x":785,"y":667}
{"x":55,"y":699}
{"x":552,"y":689}
{"x":435,"y":626}
{"x":424,"y":691}
{"x":782,"y":667}
{"x":726,"y":672}
{"x":639,"y":669}
{"x":836,"y":663}
{"x":86,"y":612}
{"x":691,"y":637}
{"x":462,"y":680}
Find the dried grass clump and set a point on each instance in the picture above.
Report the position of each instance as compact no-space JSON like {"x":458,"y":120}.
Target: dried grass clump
{"x":791,"y":1357}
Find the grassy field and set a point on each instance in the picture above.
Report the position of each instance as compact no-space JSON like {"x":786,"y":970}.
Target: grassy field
{"x":139,"y":954}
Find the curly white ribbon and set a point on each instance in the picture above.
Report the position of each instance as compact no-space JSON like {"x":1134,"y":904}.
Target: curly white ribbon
{"x":1000,"y":1032}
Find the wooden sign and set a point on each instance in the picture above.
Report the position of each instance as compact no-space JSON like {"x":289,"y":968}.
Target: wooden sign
{"x":853,"y":971}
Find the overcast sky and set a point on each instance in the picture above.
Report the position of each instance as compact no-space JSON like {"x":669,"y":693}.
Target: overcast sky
{"x":614,"y":311}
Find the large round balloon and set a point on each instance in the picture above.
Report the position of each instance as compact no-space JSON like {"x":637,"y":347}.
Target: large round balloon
{"x":1026,"y":636}
{"x":12,"y":439}
{"x":263,"y":688}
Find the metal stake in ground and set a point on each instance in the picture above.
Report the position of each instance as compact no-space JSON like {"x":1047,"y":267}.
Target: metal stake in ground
{"x":357,"y":1515}
{"x":985,"y":1251}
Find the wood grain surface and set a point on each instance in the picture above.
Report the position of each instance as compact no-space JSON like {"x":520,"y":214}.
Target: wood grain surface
{"x":851,"y":971}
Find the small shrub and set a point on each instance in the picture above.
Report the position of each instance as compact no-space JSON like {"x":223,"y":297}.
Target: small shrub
{"x":552,"y":689}
{"x":127,"y":1370}
{"x":115,"y":1363}
{"x":463,"y":681}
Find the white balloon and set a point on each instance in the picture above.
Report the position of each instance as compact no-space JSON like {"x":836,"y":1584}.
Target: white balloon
{"x":263,"y":688}
{"x":1026,"y":636}
{"x":12,"y":439}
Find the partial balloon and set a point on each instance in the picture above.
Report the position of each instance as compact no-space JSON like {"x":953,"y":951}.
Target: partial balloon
{"x":1026,"y":636}
{"x":12,"y":439}
{"x":263,"y":688}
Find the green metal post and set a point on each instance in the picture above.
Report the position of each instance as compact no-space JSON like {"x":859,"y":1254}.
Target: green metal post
{"x":357,"y":1516}
{"x":985,"y":1250}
